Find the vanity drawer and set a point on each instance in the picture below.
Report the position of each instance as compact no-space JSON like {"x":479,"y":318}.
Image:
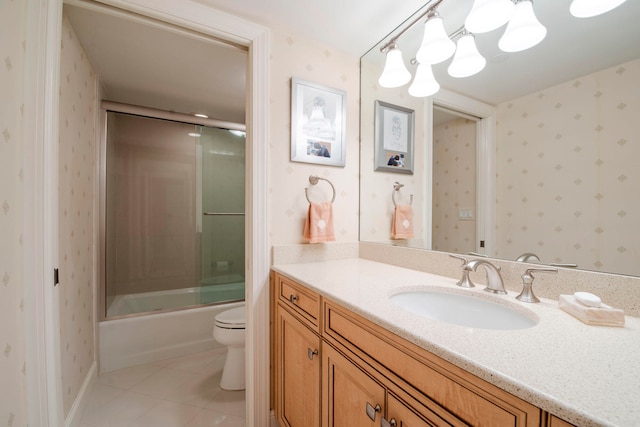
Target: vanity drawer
{"x":469,"y":398}
{"x":301,"y":300}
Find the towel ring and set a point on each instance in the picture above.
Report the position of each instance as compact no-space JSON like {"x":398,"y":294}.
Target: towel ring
{"x":313,"y":180}
{"x":396,"y":187}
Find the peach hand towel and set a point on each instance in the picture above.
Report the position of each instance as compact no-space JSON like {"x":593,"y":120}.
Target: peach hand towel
{"x":402,"y":224}
{"x":318,"y":228}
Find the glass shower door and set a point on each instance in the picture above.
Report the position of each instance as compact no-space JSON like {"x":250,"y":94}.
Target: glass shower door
{"x":223,"y":196}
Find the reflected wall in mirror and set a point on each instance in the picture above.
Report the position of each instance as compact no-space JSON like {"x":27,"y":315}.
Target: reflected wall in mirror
{"x":566,"y":138}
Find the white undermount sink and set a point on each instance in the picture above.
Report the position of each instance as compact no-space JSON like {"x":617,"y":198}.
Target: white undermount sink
{"x":472,"y":311}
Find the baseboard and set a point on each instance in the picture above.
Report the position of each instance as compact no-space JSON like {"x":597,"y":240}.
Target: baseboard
{"x":75,"y":413}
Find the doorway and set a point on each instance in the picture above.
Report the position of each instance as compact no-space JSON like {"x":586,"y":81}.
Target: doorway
{"x":454,"y":181}
{"x":44,"y":50}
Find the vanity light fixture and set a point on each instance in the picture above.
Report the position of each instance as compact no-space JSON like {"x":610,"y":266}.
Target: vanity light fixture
{"x":424,"y":83}
{"x":523,"y":30}
{"x":589,"y":8}
{"x":487,"y":15}
{"x":467,"y":61}
{"x":436,"y":45}
{"x":395,"y":73}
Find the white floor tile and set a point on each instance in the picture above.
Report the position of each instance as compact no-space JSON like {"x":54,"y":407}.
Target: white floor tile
{"x":212,"y":418}
{"x":199,"y":391}
{"x":229,"y":402}
{"x":121,"y":411}
{"x":127,"y":377}
{"x":195,"y":362}
{"x":178,"y":392}
{"x":163,"y":382}
{"x":99,"y":396}
{"x":167,"y":414}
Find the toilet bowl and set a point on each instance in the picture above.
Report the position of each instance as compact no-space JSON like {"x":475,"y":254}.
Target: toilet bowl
{"x":229,"y":330}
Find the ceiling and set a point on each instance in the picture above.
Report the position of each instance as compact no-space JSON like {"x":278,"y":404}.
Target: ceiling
{"x":143,"y":64}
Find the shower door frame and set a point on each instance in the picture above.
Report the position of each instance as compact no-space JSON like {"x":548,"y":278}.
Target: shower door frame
{"x":115,"y":107}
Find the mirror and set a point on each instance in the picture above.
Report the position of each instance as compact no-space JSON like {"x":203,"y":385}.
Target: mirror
{"x":555,"y":136}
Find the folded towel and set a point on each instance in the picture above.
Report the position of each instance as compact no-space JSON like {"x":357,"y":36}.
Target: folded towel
{"x":402,"y":223}
{"x":318,"y":228}
{"x":604,"y":315}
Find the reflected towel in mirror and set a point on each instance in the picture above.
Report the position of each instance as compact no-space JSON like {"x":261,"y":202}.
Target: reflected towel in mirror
{"x":318,"y":227}
{"x":402,"y":223}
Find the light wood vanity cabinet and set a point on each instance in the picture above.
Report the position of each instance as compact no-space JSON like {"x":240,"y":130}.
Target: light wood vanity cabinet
{"x":297,"y":355}
{"x":364,"y":375}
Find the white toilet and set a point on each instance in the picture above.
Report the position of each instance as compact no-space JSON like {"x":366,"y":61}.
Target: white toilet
{"x":229,"y":330}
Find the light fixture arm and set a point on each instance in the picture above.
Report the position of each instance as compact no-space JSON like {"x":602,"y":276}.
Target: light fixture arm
{"x":430,"y":6}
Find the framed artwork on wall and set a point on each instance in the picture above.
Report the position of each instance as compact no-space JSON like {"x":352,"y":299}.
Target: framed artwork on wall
{"x":318,"y":116}
{"x":393,"y":138}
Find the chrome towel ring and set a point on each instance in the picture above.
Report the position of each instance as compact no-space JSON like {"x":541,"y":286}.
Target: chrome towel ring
{"x":396,"y":187}
{"x":313,"y":180}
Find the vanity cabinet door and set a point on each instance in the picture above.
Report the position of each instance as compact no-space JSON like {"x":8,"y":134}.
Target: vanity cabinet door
{"x":297,"y":372}
{"x":350,"y":397}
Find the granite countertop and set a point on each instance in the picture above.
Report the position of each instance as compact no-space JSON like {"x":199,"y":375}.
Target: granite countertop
{"x":587,"y":375}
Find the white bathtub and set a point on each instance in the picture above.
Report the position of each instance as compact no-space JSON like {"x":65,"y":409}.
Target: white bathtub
{"x":173,"y":299}
{"x":137,"y":340}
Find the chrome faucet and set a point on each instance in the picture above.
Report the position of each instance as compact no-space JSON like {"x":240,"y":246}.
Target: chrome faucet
{"x":527,"y":294}
{"x":465,"y":281}
{"x":528,"y":257}
{"x":494,"y":279}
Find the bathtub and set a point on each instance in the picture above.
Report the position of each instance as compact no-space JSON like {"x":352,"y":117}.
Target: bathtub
{"x":137,"y":340}
{"x":123,"y":305}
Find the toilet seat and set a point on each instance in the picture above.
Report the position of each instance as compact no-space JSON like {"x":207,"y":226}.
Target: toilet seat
{"x":231,"y":319}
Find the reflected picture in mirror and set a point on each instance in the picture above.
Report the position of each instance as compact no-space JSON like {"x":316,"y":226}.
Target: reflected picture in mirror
{"x":560,"y":121}
{"x":393,"y":138}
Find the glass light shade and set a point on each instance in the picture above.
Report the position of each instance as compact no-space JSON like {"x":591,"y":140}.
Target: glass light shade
{"x":467,"y":61}
{"x":487,"y":15}
{"x":524,"y":30}
{"x":424,"y":83}
{"x":395,"y":73}
{"x":589,"y":8}
{"x":436,"y":45}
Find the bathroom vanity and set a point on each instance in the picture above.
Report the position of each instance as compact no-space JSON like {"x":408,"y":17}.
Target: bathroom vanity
{"x":345,"y":355}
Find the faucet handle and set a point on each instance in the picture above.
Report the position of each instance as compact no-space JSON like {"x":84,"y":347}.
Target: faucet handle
{"x":461,"y":258}
{"x":465,"y":281}
{"x":527,"y":294}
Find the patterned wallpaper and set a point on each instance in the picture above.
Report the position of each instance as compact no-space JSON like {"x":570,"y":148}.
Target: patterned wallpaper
{"x":12,"y":342}
{"x":377,"y":186}
{"x":295,"y":57}
{"x":454,"y":185}
{"x":567,"y":178}
{"x":77,"y":166}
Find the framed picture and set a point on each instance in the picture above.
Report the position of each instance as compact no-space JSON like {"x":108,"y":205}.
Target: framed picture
{"x":318,"y":116}
{"x":393,"y":138}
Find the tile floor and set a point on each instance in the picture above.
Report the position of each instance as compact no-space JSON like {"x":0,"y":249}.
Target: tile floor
{"x":181,"y":392}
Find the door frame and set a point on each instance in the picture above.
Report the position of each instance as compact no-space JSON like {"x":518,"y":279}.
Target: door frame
{"x":485,"y":165}
{"x":40,"y":242}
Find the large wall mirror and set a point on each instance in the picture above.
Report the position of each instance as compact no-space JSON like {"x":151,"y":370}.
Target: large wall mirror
{"x":537,"y":153}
